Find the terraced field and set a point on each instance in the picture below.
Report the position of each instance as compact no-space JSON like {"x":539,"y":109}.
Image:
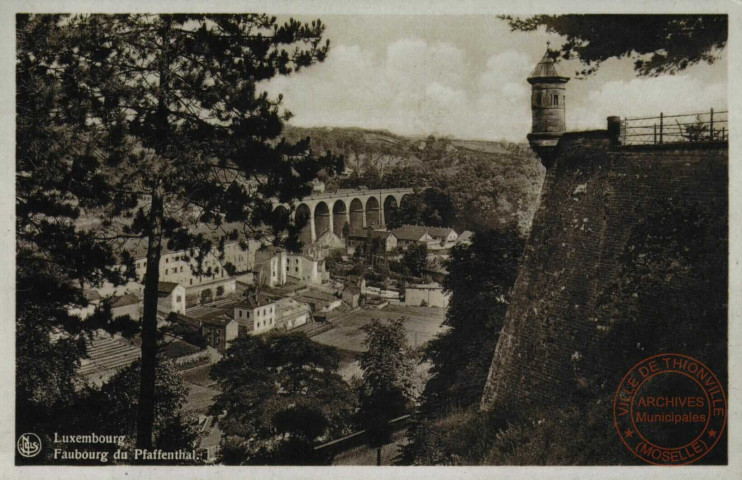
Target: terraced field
{"x":106,"y":355}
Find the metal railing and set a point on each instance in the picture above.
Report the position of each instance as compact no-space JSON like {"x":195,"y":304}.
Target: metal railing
{"x":711,"y":126}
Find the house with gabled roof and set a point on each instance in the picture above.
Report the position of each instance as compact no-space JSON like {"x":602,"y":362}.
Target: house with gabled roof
{"x":128,"y":304}
{"x":446,"y":236}
{"x":414,"y":234}
{"x":362,"y":237}
{"x":431,"y":236}
{"x":255,"y":314}
{"x":219,"y":330}
{"x":171,"y":297}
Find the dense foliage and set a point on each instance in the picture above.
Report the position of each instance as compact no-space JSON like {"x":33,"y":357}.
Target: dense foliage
{"x":55,"y":182}
{"x":431,"y":208}
{"x":415,"y":259}
{"x":116,"y":406}
{"x":111,"y":409}
{"x":480,"y":280}
{"x":658,"y":44}
{"x":387,"y":379}
{"x":267,"y":380}
{"x":572,"y":435}
{"x":162,"y":124}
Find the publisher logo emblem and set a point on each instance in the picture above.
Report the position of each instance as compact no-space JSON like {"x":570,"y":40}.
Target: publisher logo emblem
{"x":670,"y":409}
{"x":29,"y":445}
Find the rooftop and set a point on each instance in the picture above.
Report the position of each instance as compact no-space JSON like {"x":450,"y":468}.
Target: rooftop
{"x":425,"y":286}
{"x":374,"y":234}
{"x":546,"y":70}
{"x":184,"y":319}
{"x":410,"y":232}
{"x":217,"y":320}
{"x":166,"y":287}
{"x":124,"y":300}
{"x":255,"y":300}
{"x":415,"y":232}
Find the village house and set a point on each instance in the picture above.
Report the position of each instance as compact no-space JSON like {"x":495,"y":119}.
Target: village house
{"x":275,"y":267}
{"x":211,"y":436}
{"x":306,"y":269}
{"x":259,"y":313}
{"x":214,"y":282}
{"x":119,"y":297}
{"x":291,"y":313}
{"x":362,"y":237}
{"x":319,"y":301}
{"x":414,"y":234}
{"x":318,"y":186}
{"x":325,"y":243}
{"x":255,"y":314}
{"x":268,"y":262}
{"x":217,"y":327}
{"x":219,"y":331}
{"x":171,"y":297}
{"x":446,"y":236}
{"x":128,"y":304}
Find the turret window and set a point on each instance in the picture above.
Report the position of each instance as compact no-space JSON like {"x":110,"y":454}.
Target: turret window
{"x":555,"y":99}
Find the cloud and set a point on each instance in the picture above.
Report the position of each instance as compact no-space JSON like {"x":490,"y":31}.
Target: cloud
{"x":413,"y":63}
{"x":415,"y":87}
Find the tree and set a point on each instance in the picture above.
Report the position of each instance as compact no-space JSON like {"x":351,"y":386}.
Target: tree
{"x":111,"y":409}
{"x":658,"y":44}
{"x":117,"y":399}
{"x":371,"y":177}
{"x":431,"y":207}
{"x":387,"y":380}
{"x":340,"y":165}
{"x":480,"y":279}
{"x":415,"y":258}
{"x":262,"y":376}
{"x":301,"y":426}
{"x":190,"y":139}
{"x":56,"y":255}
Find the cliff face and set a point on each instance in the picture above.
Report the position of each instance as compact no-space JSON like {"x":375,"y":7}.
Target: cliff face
{"x":491,"y":184}
{"x":627,"y":243}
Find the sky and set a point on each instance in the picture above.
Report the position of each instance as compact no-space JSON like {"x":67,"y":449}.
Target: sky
{"x":464,"y":76}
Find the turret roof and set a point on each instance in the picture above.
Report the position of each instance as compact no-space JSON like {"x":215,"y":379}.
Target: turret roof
{"x":546,"y":69}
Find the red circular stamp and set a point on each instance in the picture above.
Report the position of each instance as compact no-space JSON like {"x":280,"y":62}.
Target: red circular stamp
{"x":670,"y":409}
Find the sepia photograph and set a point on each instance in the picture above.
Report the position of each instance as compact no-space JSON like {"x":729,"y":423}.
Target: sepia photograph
{"x":371,"y":239}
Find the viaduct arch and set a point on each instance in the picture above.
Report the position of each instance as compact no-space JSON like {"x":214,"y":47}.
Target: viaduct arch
{"x":359,"y":208}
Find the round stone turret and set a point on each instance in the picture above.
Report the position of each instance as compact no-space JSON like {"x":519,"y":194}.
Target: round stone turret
{"x":547,"y":108}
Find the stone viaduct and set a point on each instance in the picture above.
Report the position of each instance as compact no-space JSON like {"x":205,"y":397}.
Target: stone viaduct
{"x":358,"y":207}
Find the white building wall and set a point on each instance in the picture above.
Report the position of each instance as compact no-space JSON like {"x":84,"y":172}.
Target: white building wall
{"x":174,"y":302}
{"x":433,"y":297}
{"x":174,"y":268}
{"x":264,"y":318}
